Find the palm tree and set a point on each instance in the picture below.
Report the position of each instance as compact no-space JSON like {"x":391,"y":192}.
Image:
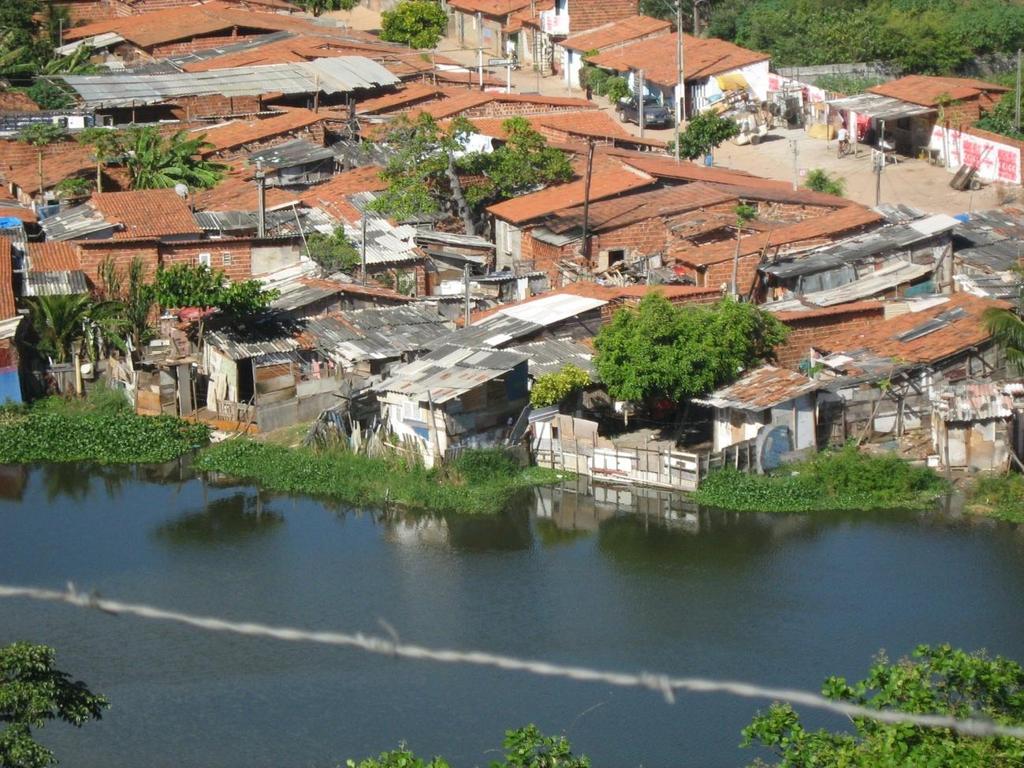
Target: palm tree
{"x":1007,"y":329}
{"x":155,"y":162}
{"x":60,"y":323}
{"x":107,"y":146}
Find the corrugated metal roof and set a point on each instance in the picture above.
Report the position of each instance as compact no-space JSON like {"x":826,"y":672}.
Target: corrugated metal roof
{"x":54,"y":283}
{"x":212,"y":53}
{"x":976,"y":401}
{"x":880,"y":107}
{"x":853,"y":249}
{"x":552,"y":355}
{"x":451,"y":238}
{"x":95,"y":42}
{"x":337,"y":75}
{"x":75,"y":223}
{"x":291,"y":153}
{"x":897,"y":273}
{"x":450,"y":371}
{"x":553,"y":309}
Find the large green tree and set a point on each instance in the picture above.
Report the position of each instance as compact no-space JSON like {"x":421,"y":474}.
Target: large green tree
{"x":523,"y":163}
{"x":417,"y":23}
{"x":32,"y":693}
{"x":659,"y":349}
{"x":156,"y":161}
{"x":428,"y":161}
{"x":935,"y":680}
{"x":333,"y":252}
{"x":185,"y":285}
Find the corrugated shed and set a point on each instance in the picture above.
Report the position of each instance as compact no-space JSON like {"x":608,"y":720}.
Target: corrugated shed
{"x":54,"y":283}
{"x":343,"y":74}
{"x":449,"y":372}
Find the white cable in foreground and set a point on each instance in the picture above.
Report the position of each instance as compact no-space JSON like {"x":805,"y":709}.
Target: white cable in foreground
{"x":663,"y":684}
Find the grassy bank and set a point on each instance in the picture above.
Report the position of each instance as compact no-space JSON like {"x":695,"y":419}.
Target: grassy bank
{"x":999,"y":496}
{"x":478,"y":482}
{"x":839,"y":480}
{"x":101,"y":428}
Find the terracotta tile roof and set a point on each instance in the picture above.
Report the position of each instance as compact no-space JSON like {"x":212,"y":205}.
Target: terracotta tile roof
{"x":762,"y":388}
{"x":167,"y":25}
{"x":15,"y":211}
{"x":930,"y":91}
{"x":238,"y":133}
{"x":237,"y":192}
{"x":960,"y":326}
{"x":300,"y":48}
{"x":53,"y":257}
{"x":825,"y":227}
{"x":146,"y":213}
{"x":489,"y":7}
{"x":638,"y":206}
{"x":794,"y":315}
{"x":602,"y":184}
{"x":407,"y":96}
{"x":615,"y":33}
{"x":7,"y":307}
{"x":590,"y":123}
{"x":457,"y":104}
{"x":703,"y":57}
{"x":588,"y":14}
{"x":467,"y":78}
{"x":332,"y":195}
{"x":60,"y":161}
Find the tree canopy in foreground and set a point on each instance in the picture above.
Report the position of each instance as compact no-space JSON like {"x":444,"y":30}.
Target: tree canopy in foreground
{"x":33,"y":692}
{"x":934,"y":680}
{"x":660,"y":349}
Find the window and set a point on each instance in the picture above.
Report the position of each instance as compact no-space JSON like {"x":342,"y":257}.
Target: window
{"x":225,"y":259}
{"x":203,"y":259}
{"x":616,"y":256}
{"x":410,"y":410}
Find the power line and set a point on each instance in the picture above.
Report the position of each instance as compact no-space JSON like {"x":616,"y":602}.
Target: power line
{"x":391,"y":646}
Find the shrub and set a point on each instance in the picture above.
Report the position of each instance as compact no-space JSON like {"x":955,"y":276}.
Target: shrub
{"x":820,"y":181}
{"x":553,"y":388}
{"x":832,"y":480}
{"x":104,"y":431}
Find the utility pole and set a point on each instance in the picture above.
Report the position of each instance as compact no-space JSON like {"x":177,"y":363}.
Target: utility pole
{"x":586,"y":201}
{"x":468,"y":309}
{"x":681,"y":86}
{"x":261,"y":201}
{"x":795,"y":147}
{"x":362,"y":253}
{"x":879,"y":163}
{"x":1016,"y":113}
{"x":640,"y":91}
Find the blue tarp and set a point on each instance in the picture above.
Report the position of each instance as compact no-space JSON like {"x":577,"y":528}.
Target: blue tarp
{"x":10,"y":385}
{"x":10,"y":222}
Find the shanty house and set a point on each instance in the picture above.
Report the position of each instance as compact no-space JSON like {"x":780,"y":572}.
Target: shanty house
{"x":977,"y":425}
{"x":712,"y":68}
{"x":763,"y":398}
{"x":901,"y":260}
{"x":455,"y":397}
{"x":987,"y":253}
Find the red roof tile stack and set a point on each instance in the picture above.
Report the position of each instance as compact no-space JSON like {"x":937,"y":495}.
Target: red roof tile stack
{"x":7,"y":307}
{"x":882,"y":338}
{"x":53,"y":257}
{"x":616,"y":32}
{"x":703,"y":57}
{"x":146,"y":213}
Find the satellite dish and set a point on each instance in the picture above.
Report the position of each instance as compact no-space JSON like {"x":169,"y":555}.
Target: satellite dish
{"x":182,"y":190}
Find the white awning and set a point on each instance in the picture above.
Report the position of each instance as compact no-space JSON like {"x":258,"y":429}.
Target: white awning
{"x":880,"y":107}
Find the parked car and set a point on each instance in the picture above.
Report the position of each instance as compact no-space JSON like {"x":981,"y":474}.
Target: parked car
{"x":655,"y":115}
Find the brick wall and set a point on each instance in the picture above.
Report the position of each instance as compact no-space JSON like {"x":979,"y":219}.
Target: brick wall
{"x":818,"y":331}
{"x":644,"y":238}
{"x":92,"y":254}
{"x":195,"y":107}
{"x":587,"y":14}
{"x":197,"y":44}
{"x":233,"y":258}
{"x":91,"y":10}
{"x":518,"y":108}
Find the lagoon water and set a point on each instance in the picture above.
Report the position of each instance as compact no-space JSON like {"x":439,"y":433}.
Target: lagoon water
{"x":613,"y":582}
